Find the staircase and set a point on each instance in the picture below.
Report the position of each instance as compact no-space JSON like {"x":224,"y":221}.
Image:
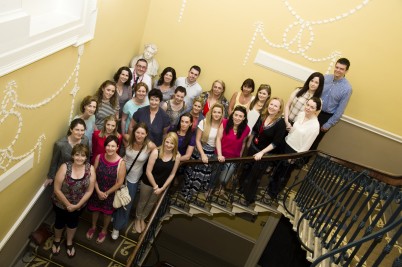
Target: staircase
{"x":347,"y":215}
{"x":344,"y":215}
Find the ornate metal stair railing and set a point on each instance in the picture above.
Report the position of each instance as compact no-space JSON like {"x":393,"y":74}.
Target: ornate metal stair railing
{"x":344,"y":206}
{"x":212,"y":200}
{"x":229,"y":198}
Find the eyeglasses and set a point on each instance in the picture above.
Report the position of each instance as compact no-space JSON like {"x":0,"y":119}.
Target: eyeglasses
{"x":141,"y":67}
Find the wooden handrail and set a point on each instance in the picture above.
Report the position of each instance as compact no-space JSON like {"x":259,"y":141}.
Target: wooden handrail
{"x":143,"y":234}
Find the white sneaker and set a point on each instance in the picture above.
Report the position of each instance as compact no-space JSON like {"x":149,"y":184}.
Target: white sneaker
{"x":115,"y":234}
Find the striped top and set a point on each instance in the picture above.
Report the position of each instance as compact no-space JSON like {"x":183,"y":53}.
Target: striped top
{"x":104,"y":110}
{"x":298,"y":104}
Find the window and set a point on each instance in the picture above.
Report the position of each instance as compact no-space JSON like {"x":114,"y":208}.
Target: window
{"x":33,"y":29}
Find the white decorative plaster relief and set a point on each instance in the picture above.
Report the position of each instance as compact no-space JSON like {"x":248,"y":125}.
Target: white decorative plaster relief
{"x":11,"y":107}
{"x":295,"y":44}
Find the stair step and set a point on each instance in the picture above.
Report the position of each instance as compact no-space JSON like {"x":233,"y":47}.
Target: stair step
{"x":109,"y":253}
{"x":195,"y":209}
{"x":83,"y":256}
{"x":261,"y":207}
{"x":238,"y":208}
{"x":127,"y":232}
{"x":173,"y":209}
{"x":40,"y":261}
{"x":216,"y":208}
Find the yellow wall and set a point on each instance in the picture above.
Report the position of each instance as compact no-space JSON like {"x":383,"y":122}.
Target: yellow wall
{"x":119,"y":30}
{"x":217,"y":34}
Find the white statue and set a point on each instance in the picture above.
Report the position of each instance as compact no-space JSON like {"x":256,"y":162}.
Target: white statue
{"x":150,"y":51}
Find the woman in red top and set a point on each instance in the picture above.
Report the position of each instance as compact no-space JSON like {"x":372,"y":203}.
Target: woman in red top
{"x":99,"y":136}
{"x":230,"y":142}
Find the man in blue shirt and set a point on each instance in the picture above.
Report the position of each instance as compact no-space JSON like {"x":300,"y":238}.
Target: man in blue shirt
{"x":335,"y":97}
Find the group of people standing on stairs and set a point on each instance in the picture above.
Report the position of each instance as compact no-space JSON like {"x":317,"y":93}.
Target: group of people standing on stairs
{"x":129,"y":133}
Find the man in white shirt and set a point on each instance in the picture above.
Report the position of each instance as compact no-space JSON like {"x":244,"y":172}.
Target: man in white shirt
{"x":149,"y":55}
{"x":193,"y":88}
{"x":139,"y":74}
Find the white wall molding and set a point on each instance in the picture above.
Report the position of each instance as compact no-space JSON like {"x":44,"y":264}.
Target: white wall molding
{"x":373,"y":129}
{"x":15,"y":172}
{"x":282,"y":66}
{"x":35,"y":29}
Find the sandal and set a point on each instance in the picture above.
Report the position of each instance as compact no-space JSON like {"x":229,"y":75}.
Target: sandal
{"x":56,"y":246}
{"x":101,"y":238}
{"x":70,"y":251}
{"x":90,"y":233}
{"x":137,"y":226}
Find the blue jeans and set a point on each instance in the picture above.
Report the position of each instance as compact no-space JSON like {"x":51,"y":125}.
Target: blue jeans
{"x":226,"y":172}
{"x":121,"y":215}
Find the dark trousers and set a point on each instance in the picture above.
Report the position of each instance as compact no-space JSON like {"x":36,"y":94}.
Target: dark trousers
{"x":281,"y":174}
{"x":251,"y":175}
{"x":323,"y":117}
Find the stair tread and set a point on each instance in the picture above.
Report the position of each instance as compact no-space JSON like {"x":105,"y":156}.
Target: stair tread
{"x":111,"y":251}
{"x":83,"y":256}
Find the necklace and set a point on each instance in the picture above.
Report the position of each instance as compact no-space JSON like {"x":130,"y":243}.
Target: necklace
{"x":119,"y":89}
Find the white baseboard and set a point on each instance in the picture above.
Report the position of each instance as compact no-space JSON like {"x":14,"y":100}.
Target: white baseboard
{"x":21,"y":218}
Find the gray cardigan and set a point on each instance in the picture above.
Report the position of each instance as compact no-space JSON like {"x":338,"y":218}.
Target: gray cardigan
{"x":61,"y":154}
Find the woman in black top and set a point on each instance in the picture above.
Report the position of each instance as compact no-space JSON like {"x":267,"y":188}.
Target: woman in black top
{"x":267,"y":137}
{"x":161,"y":169}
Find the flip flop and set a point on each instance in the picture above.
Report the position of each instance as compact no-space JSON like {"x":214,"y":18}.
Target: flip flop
{"x":101,"y":238}
{"x":70,"y":251}
{"x":56,"y":246}
{"x":90,"y":233}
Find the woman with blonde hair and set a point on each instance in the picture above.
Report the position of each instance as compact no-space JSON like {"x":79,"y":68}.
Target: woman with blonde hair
{"x":99,"y":136}
{"x":196,"y":112}
{"x":107,"y":102}
{"x":215,"y":95}
{"x":302,"y":134}
{"x":161,"y":169}
{"x":267,"y":137}
{"x":198,"y":177}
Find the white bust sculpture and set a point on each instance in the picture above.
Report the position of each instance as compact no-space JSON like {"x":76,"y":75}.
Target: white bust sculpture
{"x":150,"y":51}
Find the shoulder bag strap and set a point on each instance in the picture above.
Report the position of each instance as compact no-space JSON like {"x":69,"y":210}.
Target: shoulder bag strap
{"x":135,"y":160}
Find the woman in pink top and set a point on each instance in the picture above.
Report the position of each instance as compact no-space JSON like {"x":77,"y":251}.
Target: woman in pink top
{"x":230,"y":142}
